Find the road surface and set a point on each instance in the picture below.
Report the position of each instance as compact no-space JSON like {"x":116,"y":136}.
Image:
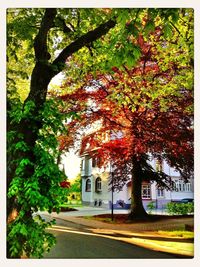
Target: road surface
{"x":75,"y":241}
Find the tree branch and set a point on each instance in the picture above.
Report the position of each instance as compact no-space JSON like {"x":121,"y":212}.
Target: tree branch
{"x":65,"y":28}
{"x":176,"y":28}
{"x":82,"y":41}
{"x":40,"y":43}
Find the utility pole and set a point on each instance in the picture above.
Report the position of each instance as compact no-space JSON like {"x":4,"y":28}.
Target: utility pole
{"x":112,"y":215}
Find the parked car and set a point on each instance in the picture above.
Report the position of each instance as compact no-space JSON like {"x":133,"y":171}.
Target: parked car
{"x":187,"y":200}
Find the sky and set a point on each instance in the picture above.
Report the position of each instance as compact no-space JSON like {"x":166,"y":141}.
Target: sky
{"x":70,"y":160}
{"x":71,"y":165}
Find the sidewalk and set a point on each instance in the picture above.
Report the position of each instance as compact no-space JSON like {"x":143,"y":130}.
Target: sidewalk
{"x":144,"y":235}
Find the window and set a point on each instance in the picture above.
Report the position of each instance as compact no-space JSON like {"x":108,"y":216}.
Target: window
{"x":160,"y":192}
{"x":96,"y":162}
{"x":180,"y":186}
{"x":146,"y":191}
{"x":159,"y":165}
{"x":82,"y":164}
{"x":88,"y":185}
{"x":93,"y":162}
{"x":188,"y":187}
{"x":98,"y":184}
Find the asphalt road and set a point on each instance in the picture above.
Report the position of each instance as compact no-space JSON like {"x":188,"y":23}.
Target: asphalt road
{"x":75,"y":241}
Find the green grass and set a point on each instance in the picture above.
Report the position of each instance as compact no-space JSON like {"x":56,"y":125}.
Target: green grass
{"x":100,"y":219}
{"x":177,"y":233}
{"x":72,"y":205}
{"x":183,"y":248}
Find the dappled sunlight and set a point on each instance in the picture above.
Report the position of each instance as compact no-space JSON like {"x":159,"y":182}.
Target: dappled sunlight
{"x":74,"y":231}
{"x":61,"y":227}
{"x":182,"y":248}
{"x":150,"y":240}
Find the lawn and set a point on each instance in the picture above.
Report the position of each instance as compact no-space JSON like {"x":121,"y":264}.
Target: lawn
{"x":178,"y":233}
{"x":72,"y":206}
{"x":176,"y":240}
{"x":123,"y":218}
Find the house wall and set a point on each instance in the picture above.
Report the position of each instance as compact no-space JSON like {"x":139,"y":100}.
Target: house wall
{"x":122,"y":199}
{"x":101,"y":197}
{"x":93,"y":198}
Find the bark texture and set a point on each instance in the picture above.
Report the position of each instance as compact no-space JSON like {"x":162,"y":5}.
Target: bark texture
{"x":137,"y":209}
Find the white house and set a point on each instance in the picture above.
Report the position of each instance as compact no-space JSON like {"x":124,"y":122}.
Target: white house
{"x":95,"y":180}
{"x":95,"y":188}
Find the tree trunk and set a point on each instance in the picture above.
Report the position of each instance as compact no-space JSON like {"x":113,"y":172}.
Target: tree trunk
{"x":137,"y":209}
{"x":42,"y":74}
{"x":30,"y":125}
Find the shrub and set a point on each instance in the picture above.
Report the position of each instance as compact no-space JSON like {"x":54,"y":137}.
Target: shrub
{"x":151,"y":206}
{"x":180,"y":208}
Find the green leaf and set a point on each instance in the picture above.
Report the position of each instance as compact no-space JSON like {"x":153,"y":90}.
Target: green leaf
{"x":133,"y":29}
{"x":168,"y":30}
{"x":130,"y":61}
{"x":23,"y":230}
{"x":123,"y":16}
{"x":149,"y":27}
{"x":21,"y":146}
{"x":136,"y":52}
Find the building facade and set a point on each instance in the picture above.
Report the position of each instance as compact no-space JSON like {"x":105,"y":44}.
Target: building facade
{"x":96,"y":192}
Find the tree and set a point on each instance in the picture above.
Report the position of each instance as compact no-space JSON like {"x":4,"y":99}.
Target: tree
{"x":83,"y":39}
{"x":75,"y":188}
{"x":30,"y":187}
{"x":144,"y":131}
{"x":151,"y":105}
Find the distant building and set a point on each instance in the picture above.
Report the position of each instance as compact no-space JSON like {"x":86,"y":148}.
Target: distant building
{"x":95,"y":187}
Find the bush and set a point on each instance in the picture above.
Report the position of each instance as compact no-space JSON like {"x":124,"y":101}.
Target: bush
{"x":180,"y":208}
{"x":151,"y":206}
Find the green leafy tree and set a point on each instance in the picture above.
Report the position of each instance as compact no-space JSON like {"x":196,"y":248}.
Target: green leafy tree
{"x":33,"y":122}
{"x":75,"y":188}
{"x":76,"y":185}
{"x":41,"y":44}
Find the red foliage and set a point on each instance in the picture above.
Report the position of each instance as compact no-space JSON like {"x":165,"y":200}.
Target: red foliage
{"x":128,"y":107}
{"x":65,"y":184}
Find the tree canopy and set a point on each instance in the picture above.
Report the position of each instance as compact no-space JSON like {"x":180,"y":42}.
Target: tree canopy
{"x":139,"y":111}
{"x":41,"y":43}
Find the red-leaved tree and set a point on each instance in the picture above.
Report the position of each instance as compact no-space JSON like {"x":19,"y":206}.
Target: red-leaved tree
{"x":139,"y":118}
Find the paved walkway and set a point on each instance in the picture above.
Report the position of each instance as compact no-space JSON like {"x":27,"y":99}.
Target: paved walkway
{"x":142,"y":234}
